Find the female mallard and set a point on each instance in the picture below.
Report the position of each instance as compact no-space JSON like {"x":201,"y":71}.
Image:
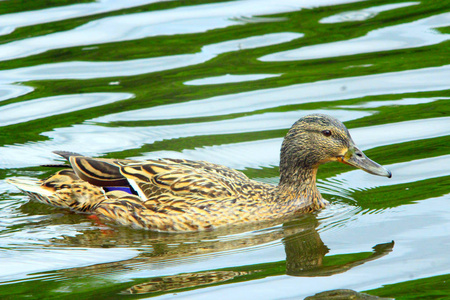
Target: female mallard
{"x":181,"y":195}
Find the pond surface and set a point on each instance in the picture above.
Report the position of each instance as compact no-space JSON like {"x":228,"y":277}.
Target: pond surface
{"x":222,"y":81}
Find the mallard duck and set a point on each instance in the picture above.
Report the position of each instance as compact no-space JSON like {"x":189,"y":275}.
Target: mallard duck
{"x":178,"y":195}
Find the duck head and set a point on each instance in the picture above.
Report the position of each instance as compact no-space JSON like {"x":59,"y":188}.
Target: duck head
{"x":317,"y":139}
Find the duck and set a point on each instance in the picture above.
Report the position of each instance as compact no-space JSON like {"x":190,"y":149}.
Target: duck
{"x":180,"y":195}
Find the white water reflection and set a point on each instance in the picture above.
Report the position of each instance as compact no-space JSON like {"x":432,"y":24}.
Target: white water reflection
{"x":403,"y":36}
{"x":9,"y":91}
{"x":401,"y":132}
{"x":421,"y":80}
{"x":9,"y":22}
{"x":364,"y":14}
{"x":49,"y":106}
{"x":228,"y":78}
{"x":401,"y":102}
{"x":411,"y":171}
{"x":89,"y":70}
{"x":180,"y":20}
{"x":22,"y":264}
{"x":257,"y":154}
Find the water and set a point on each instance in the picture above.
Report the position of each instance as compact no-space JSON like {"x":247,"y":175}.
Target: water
{"x":223,"y":81}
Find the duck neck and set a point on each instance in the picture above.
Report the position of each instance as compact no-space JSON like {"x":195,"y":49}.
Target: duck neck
{"x":298,"y":188}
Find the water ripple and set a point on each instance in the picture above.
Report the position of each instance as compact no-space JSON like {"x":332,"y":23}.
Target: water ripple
{"x":19,"y":264}
{"x":401,"y":102}
{"x":180,"y":20}
{"x":90,"y":70}
{"x":228,"y":78}
{"x":9,"y":22}
{"x":411,"y":171}
{"x":404,"y":36}
{"x":49,"y":106}
{"x":420,"y":80}
{"x":9,"y":91}
{"x":364,"y":14}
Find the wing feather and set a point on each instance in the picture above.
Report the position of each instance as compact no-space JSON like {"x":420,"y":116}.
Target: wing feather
{"x":176,"y":178}
{"x":162,"y":180}
{"x":97,"y":171}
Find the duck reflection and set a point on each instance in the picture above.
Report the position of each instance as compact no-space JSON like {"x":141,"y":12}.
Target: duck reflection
{"x":343,"y":294}
{"x":305,"y":254}
{"x":184,"y":281}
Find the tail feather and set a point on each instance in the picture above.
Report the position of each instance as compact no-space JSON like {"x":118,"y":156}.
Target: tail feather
{"x":64,"y":189}
{"x":29,"y":185}
{"x":66,"y":154}
{"x":33,"y":188}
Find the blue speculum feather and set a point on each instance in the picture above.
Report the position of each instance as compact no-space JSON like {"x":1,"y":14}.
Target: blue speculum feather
{"x":120,"y":188}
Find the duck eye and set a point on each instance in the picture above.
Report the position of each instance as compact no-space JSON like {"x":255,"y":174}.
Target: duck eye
{"x":326,"y":132}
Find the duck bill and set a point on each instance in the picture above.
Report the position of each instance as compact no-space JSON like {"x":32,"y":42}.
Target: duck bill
{"x":355,"y":157}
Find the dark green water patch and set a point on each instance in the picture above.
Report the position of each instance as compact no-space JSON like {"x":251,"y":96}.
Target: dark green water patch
{"x":401,"y":194}
{"x":436,"y":287}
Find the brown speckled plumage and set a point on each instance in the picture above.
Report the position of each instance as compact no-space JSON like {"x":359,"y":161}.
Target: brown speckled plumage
{"x":176,"y":195}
